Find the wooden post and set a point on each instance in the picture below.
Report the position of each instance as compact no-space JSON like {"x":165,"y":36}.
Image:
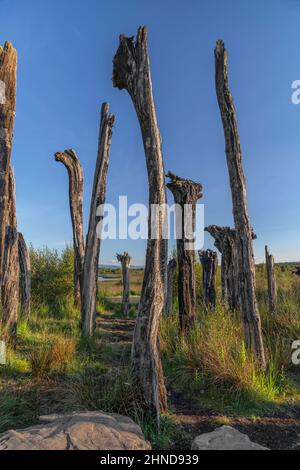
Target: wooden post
{"x":8,"y":72}
{"x":25,"y":276}
{"x":70,"y":160}
{"x":245,"y":257}
{"x":186,"y":193}
{"x":131,"y":71}
{"x":209,"y":261}
{"x":272,"y":287}
{"x":125,"y":261}
{"x":172,"y":265}
{"x":92,"y":249}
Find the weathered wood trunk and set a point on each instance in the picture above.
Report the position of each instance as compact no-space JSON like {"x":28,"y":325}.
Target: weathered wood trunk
{"x":132,"y":72}
{"x":125,"y":261}
{"x":92,"y":248}
{"x":172,"y":265}
{"x":70,"y":160}
{"x":225,"y":242}
{"x":272,"y":287}
{"x":25,"y":276}
{"x":245,"y":257}
{"x":209,"y":261}
{"x":186,"y":193}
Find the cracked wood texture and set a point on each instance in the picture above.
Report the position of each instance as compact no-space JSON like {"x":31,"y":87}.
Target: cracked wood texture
{"x":8,"y":72}
{"x":245,"y":257}
{"x":92,"y":248}
{"x":209,"y":262}
{"x":186,"y":193}
{"x":72,"y":163}
{"x":25,"y":276}
{"x":131,"y":71}
{"x":172,"y":265}
{"x":272,"y":286}
{"x":125,"y":261}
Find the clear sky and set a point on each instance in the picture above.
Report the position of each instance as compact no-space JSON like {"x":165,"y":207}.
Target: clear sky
{"x":65,"y":50}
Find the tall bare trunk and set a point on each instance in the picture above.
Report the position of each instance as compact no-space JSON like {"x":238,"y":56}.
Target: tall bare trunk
{"x":125,"y":261}
{"x":186,"y":193}
{"x":70,"y":160}
{"x":92,"y":249}
{"x":8,"y":72}
{"x":272,"y":287}
{"x":172,"y":265}
{"x":25,"y":276}
{"x":132,"y":72}
{"x":246,"y":265}
{"x":209,"y":261}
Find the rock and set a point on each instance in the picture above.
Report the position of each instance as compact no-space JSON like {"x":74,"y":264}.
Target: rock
{"x":78,"y":431}
{"x":225,"y":438}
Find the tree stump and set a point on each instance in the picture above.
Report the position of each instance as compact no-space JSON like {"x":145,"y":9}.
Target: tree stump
{"x":172,"y":265}
{"x":272,"y":287}
{"x":245,"y":257}
{"x":131,"y":71}
{"x":186,"y":193}
{"x":125,"y":261}
{"x":25,"y":276}
{"x":209,"y":261}
{"x":92,"y":249}
{"x":70,"y":160}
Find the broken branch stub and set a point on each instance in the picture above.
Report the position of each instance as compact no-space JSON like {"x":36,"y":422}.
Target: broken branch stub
{"x":271,"y":276}
{"x":72,"y":163}
{"x":92,"y":248}
{"x":186,"y":193}
{"x":245,"y":257}
{"x":125,"y":261}
{"x":131,"y":71}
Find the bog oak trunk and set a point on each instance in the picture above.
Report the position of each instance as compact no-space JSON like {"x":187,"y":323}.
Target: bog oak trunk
{"x":131,"y":71}
{"x":92,"y":248}
{"x":209,"y":261}
{"x":125,"y":261}
{"x":186,"y":193}
{"x":25,"y":276}
{"x":172,"y":265}
{"x":272,"y":287}
{"x":70,"y":160}
{"x":245,"y":257}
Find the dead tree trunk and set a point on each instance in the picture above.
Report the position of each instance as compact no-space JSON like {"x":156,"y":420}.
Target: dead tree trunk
{"x":245,"y":257}
{"x":272,"y":287}
{"x":8,"y":71}
{"x":70,"y":160}
{"x":125,"y":261}
{"x":209,"y":261}
{"x":132,"y":72}
{"x":172,"y":265}
{"x":92,"y":249}
{"x":186,"y":193}
{"x":25,"y":276}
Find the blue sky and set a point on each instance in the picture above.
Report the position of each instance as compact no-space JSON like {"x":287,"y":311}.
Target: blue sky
{"x":65,"y":50}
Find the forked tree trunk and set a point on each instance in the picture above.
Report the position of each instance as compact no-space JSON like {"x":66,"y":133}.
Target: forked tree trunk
{"x":186,"y":193}
{"x":245,"y":257}
{"x":209,"y":261}
{"x":70,"y":160}
{"x":272,"y":287}
{"x":132,"y":72}
{"x":25,"y":276}
{"x":8,"y":71}
{"x":172,"y":265}
{"x":92,"y":249}
{"x":125,"y":261}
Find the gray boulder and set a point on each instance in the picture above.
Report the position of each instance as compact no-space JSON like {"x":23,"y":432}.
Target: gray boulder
{"x":78,"y":431}
{"x":225,"y":438}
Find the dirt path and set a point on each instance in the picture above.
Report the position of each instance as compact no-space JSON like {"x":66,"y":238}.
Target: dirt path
{"x":279,"y":431}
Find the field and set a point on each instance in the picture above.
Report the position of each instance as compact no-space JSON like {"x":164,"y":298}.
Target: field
{"x":211,"y":381}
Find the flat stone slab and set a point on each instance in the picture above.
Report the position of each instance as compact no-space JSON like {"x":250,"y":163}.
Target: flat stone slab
{"x":78,"y":431}
{"x":225,"y":438}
